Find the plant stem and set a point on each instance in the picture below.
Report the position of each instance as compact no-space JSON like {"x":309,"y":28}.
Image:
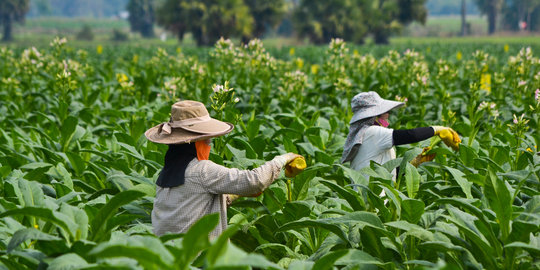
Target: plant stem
{"x":289,"y":190}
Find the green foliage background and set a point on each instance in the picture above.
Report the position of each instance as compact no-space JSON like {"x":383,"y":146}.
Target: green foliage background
{"x":77,"y":175}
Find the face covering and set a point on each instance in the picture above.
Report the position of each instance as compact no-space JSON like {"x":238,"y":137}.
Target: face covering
{"x":177,"y":159}
{"x":382,"y":122}
{"x":203,"y":150}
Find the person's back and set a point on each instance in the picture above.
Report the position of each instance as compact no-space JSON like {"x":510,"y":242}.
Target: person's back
{"x":377,"y":146}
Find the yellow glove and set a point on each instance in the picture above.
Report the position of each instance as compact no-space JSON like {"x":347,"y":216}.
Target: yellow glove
{"x":448,"y":136}
{"x":295,"y":166}
{"x":423,"y":157}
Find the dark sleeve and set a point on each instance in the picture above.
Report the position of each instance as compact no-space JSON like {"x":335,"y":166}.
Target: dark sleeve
{"x":405,"y":136}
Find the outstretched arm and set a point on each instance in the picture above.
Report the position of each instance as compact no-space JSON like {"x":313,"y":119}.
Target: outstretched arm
{"x":406,"y":136}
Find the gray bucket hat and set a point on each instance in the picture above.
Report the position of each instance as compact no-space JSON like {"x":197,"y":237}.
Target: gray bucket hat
{"x":370,"y":104}
{"x":365,"y":107}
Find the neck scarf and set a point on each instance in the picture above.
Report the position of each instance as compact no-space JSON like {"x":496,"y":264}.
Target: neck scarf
{"x":382,"y":122}
{"x":355,"y":137}
{"x":203,"y":150}
{"x":177,"y":159}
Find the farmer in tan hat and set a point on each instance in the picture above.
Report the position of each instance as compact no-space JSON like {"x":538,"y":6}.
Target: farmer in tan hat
{"x":370,"y":138}
{"x":189,"y":185}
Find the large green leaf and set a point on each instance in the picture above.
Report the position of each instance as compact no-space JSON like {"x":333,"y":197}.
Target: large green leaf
{"x":352,"y":197}
{"x":412,"y":180}
{"x":461,"y":180}
{"x":327,"y":224}
{"x":99,"y":221}
{"x":233,"y":256}
{"x":328,"y":260}
{"x":358,"y":257}
{"x":68,"y":130}
{"x":68,"y":261}
{"x":500,"y":200}
{"x":22,"y":235}
{"x":46,"y":214}
{"x":196,"y":239}
{"x":147,"y":250}
{"x":412,"y":210}
{"x":477,"y":244}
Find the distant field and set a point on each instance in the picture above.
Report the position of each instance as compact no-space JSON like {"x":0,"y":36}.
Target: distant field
{"x":447,"y":26}
{"x":442,"y":29}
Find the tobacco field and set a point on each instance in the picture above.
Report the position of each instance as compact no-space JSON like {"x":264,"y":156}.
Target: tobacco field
{"x":77,"y":175}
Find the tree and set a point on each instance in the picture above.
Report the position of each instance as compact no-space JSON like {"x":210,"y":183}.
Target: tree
{"x":463,"y":17}
{"x":491,"y":8}
{"x":527,"y":11}
{"x":207,"y":20}
{"x":141,"y":17}
{"x":12,"y":11}
{"x":352,"y":20}
{"x":389,"y":16}
{"x":322,"y":20}
{"x":266,"y":13}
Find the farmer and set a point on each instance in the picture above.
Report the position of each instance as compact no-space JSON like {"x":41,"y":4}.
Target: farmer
{"x":370,"y":138}
{"x":189,"y":185}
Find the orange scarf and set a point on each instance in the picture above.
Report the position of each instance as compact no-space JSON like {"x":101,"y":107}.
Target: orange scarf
{"x":203,"y":150}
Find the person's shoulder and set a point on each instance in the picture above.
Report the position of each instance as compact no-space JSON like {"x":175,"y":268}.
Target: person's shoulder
{"x":204,"y":165}
{"x":374,"y":130}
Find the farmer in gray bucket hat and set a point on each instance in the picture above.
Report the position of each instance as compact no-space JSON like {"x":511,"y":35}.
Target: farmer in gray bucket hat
{"x":191,"y":186}
{"x":370,"y":138}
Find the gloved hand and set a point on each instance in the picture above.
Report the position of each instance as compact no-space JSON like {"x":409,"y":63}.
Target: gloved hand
{"x":423,"y":157}
{"x":448,"y":136}
{"x":293,"y":164}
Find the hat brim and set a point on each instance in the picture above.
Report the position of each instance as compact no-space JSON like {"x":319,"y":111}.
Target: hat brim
{"x":384,"y":107}
{"x":182,"y":135}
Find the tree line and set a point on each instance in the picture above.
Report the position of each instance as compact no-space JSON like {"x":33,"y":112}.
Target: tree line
{"x":317,"y":20}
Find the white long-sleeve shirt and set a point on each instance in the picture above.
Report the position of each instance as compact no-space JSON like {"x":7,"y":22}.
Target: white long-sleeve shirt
{"x":377,"y":145}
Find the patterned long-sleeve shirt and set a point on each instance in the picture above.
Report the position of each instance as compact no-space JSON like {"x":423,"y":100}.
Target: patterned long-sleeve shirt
{"x":203,"y":193}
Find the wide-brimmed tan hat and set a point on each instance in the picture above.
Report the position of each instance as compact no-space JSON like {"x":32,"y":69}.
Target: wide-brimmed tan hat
{"x":189,"y":122}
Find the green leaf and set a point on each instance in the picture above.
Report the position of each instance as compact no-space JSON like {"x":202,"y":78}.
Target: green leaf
{"x":483,"y":250}
{"x":147,"y":250}
{"x":327,"y":224}
{"x":131,"y":151}
{"x":412,"y":229}
{"x":67,"y":130}
{"x":412,"y":180}
{"x":68,"y":262}
{"x":500,"y":200}
{"x":412,"y":210}
{"x":440,"y":246}
{"x":79,"y":217}
{"x":43,"y":213}
{"x":533,"y":250}
{"x":220,"y":245}
{"x":275,"y":251}
{"x":29,"y":193}
{"x":462,"y":181}
{"x":327,"y":261}
{"x":355,"y":176}
{"x":36,"y":165}
{"x":351,"y":196}
{"x":358,"y":257}
{"x":22,"y":235}
{"x":196,"y":238}
{"x":467,"y":155}
{"x":234,"y":256}
{"x":98,"y":224}
{"x":77,"y":163}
